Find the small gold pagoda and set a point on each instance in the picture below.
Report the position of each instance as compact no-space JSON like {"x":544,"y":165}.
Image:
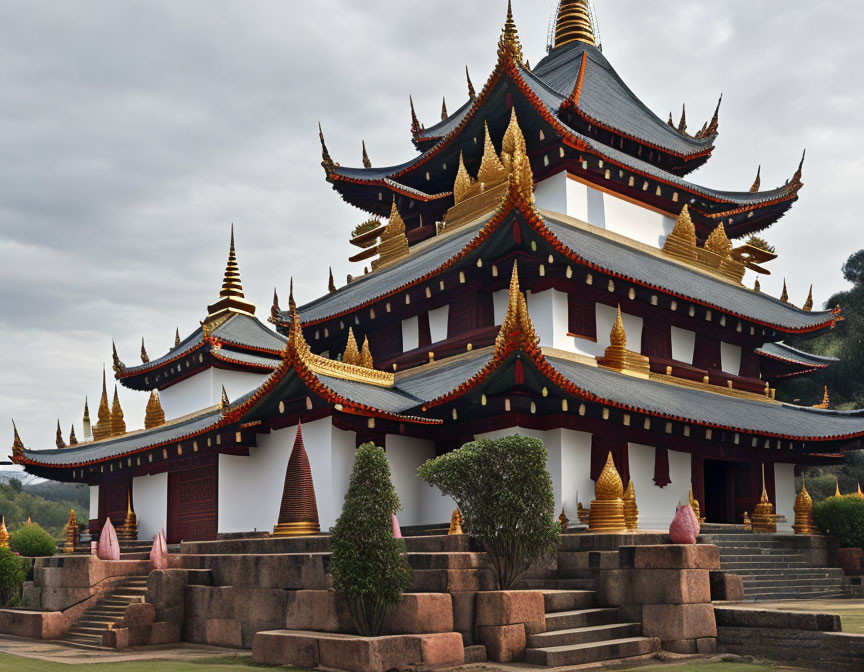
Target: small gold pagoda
{"x":803,"y":510}
{"x":456,"y":521}
{"x":631,"y":511}
{"x":128,"y":531}
{"x":763,"y":519}
{"x":607,"y":509}
{"x":71,"y":533}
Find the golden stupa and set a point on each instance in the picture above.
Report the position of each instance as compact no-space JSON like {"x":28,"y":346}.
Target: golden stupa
{"x":129,"y":529}
{"x":631,"y":511}
{"x":71,"y":533}
{"x":763,"y":519}
{"x":803,"y":511}
{"x":607,"y":509}
{"x":456,"y":521}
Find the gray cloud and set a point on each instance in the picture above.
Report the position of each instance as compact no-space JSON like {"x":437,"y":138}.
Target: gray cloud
{"x":132,"y":134}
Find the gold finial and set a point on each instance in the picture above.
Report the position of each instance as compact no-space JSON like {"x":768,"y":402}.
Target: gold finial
{"x":88,"y":430}
{"x":177,"y":337}
{"x":471,"y":93}
{"x":119,"y":367}
{"x":670,"y":122}
{"x":231,"y":298}
{"x":444,"y":114}
{"x":394,"y":244}
{"x":463,"y":181}
{"x":366,"y":162}
{"x":456,"y":521}
{"x":516,"y":327}
{"x":17,"y":444}
{"x":826,"y":400}
{"x":514,"y":157}
{"x":118,"y":424}
{"x":366,"y":360}
{"x":352,"y":353}
{"x":563,"y":520}
{"x":756,"y":286}
{"x":508,"y":44}
{"x":331,"y":284}
{"x":631,"y":510}
{"x":763,"y":519}
{"x":4,"y":534}
{"x":796,"y":182}
{"x":803,"y":510}
{"x":58,"y":438}
{"x":574,"y":23}
{"x":416,"y":128}
{"x":609,"y":485}
{"x":682,"y":124}
{"x":224,"y":402}
{"x":145,"y":358}
{"x":784,"y":295}
{"x":327,"y":161}
{"x":714,"y":124}
{"x":808,"y":304}
{"x":491,"y":170}
{"x":102,"y":430}
{"x":718,"y":242}
{"x":758,"y":181}
{"x":618,"y":336}
{"x":73,"y":440}
{"x":684,"y":227}
{"x":154,"y":416}
{"x":275,"y":311}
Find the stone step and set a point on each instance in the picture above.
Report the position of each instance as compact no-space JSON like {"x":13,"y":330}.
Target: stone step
{"x":764,"y":564}
{"x":757,"y":549}
{"x":592,"y":633}
{"x":94,"y":630}
{"x":558,"y":584}
{"x":444,"y":560}
{"x":592,"y":652}
{"x":84,"y":642}
{"x":580,"y":618}
{"x":568,"y":600}
{"x":755,"y":588}
{"x":95,"y":620}
{"x":795,"y":595}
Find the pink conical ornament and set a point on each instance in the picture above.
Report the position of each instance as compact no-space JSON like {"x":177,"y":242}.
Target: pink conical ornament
{"x":397,"y":532}
{"x":109,"y":546}
{"x":157,"y":555}
{"x":682,"y":529}
{"x":697,"y":528}
{"x":163,"y":543}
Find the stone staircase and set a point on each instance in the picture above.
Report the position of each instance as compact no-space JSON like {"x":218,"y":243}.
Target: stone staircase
{"x":770,"y":569}
{"x":87,"y":630}
{"x":578,"y":632}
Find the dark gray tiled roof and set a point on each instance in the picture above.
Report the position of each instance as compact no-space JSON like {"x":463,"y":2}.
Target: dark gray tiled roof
{"x":250,"y":358}
{"x":712,"y":409}
{"x":655,"y":270}
{"x":446,"y":127}
{"x":189,"y":343}
{"x":787,"y":352}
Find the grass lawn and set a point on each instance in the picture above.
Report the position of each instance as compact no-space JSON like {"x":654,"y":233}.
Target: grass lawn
{"x":228,"y":663}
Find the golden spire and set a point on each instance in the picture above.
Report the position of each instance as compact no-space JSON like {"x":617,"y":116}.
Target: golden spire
{"x":463,"y":181}
{"x":763,"y":499}
{"x":808,"y":304}
{"x":631,"y":510}
{"x":58,"y":439}
{"x":327,"y":161}
{"x":517,"y":322}
{"x":471,"y":93}
{"x":144,"y":356}
{"x":784,"y":295}
{"x":826,"y":400}
{"x":119,"y":367}
{"x":682,"y":124}
{"x":804,"y":496}
{"x":73,"y":440}
{"x":609,"y":485}
{"x":574,"y":23}
{"x":508,"y":44}
{"x":17,"y":444}
{"x":118,"y":424}
{"x":394,"y":244}
{"x":758,"y":181}
{"x":444,"y":114}
{"x":756,"y":286}
{"x":366,"y":162}
{"x":102,"y":430}
{"x":618,"y":336}
{"x":684,"y":227}
{"x":491,"y":170}
{"x":763,"y":519}
{"x":352,"y":353}
{"x":719,"y":243}
{"x":177,"y":337}
{"x":154,"y":416}
{"x":514,"y":157}
{"x":803,"y":510}
{"x":714,"y":124}
{"x":415,"y":123}
{"x":796,"y":182}
{"x":331,"y":284}
{"x":224,"y":402}
{"x":231,"y":299}
{"x":366,"y":360}
{"x":670,"y":122}
{"x":88,"y":430}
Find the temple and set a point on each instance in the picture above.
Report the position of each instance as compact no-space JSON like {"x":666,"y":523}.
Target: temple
{"x":546,"y":267}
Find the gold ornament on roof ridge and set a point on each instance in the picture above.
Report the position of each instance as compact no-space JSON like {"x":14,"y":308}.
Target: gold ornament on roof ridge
{"x":327,"y":161}
{"x":758,"y":181}
{"x":366,"y":360}
{"x":118,"y":423}
{"x":491,"y":170}
{"x":231,"y":297}
{"x":154,"y":416}
{"x":718,"y":242}
{"x":119,"y":367}
{"x":808,"y":304}
{"x":463,"y":182}
{"x":177,"y":337}
{"x":472,"y":94}
{"x":784,"y":295}
{"x":17,"y":444}
{"x":102,"y":428}
{"x":224,"y":402}
{"x":514,"y":158}
{"x":682,"y":123}
{"x":517,"y":322}
{"x":444,"y":114}
{"x":681,"y":242}
{"x":573,"y":23}
{"x":508,"y":44}
{"x":331,"y":283}
{"x":145,"y":358}
{"x":826,"y":400}
{"x":618,"y":358}
{"x":58,"y":438}
{"x":73,"y":440}
{"x":366,"y":162}
{"x":352,"y":352}
{"x":394,"y":244}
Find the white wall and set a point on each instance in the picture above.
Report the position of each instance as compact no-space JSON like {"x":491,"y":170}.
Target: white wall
{"x":657,"y":505}
{"x":421,"y":503}
{"x":551,"y":193}
{"x":548,"y":312}
{"x":438,"y":324}
{"x":730,"y":358}
{"x":343,"y":447}
{"x":569,"y":465}
{"x":637,"y":222}
{"x":204,"y":389}
{"x":606,"y":316}
{"x":410,"y":334}
{"x":683,"y":345}
{"x":784,"y":488}
{"x":94,"y":502}
{"x":150,"y":496}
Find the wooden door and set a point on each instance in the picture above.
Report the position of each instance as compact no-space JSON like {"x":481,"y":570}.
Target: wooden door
{"x":113,"y":501}
{"x":192,"y":504}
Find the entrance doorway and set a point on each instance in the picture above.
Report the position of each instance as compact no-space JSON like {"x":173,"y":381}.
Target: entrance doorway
{"x":719,"y":506}
{"x":192,"y":504}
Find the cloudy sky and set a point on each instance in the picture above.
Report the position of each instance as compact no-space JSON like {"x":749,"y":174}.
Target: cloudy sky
{"x":133,"y":133}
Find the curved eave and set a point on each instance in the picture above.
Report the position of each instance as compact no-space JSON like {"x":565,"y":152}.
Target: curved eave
{"x":793,"y":361}
{"x":443,"y":128}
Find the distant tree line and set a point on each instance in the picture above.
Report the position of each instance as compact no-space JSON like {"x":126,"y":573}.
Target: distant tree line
{"x":17,"y":505}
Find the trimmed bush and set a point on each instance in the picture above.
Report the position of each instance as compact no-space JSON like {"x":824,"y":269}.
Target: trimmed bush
{"x":505,"y":494}
{"x":368,"y":564}
{"x":13,"y":572}
{"x":32,"y":541}
{"x":842,"y":517}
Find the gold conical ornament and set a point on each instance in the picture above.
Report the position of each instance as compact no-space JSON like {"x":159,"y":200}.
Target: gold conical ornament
{"x":763,"y":519}
{"x":808,"y":304}
{"x":694,"y":504}
{"x":631,"y":510}
{"x":563,"y":520}
{"x":491,"y":171}
{"x":145,"y":358}
{"x":177,"y":337}
{"x":784,"y":295}
{"x":73,"y":440}
{"x":463,"y":182}
{"x":154,"y":416}
{"x":17,"y":445}
{"x":472,"y":94}
{"x":366,"y":360}
{"x":58,"y":438}
{"x":837,"y":488}
{"x":352,"y":353}
{"x":746,"y":521}
{"x":444,"y":114}
{"x":803,"y":510}
{"x":231,"y":297}
{"x":394,"y":244}
{"x":758,"y":181}
{"x":102,"y":429}
{"x":129,"y":529}
{"x":826,"y":400}
{"x":514,"y":158}
{"x":118,"y":423}
{"x":88,"y":428}
{"x":607,"y":509}
{"x":718,"y":242}
{"x":681,"y":243}
{"x":509,"y":45}
{"x":366,"y":162}
{"x":71,"y":533}
{"x":456,"y":521}
{"x":4,"y":534}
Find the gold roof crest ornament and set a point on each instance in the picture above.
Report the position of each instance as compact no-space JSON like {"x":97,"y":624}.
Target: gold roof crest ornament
{"x":472,"y":94}
{"x":231,"y":297}
{"x":58,"y":438}
{"x":102,"y":428}
{"x":573,"y":23}
{"x":145,"y":358}
{"x":763,"y":519}
{"x":618,"y":358}
{"x":366,"y":360}
{"x":331,"y":283}
{"x":607,"y":509}
{"x":73,"y":440}
{"x":795,"y":183}
{"x":327,"y":161}
{"x":444,"y":114}
{"x":808,"y":304}
{"x":177,"y":337}
{"x":394,"y":244}
{"x":118,"y":423}
{"x":681,"y":242}
{"x":509,"y":45}
{"x":224,"y":402}
{"x":366,"y":162}
{"x":718,"y":242}
{"x":757,"y":183}
{"x":682,"y":123}
{"x":784,"y":295}
{"x":154,"y":416}
{"x":517,"y":329}
{"x":88,"y":428}
{"x":17,"y":445}
{"x":352,"y":352}
{"x":119,"y":367}
{"x":514,"y":157}
{"x":492,"y":171}
{"x":463,"y":181}
{"x":416,"y":126}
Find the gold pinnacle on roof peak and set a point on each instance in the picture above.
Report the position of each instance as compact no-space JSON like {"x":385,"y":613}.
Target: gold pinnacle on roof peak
{"x":517,"y":322}
{"x":102,"y":429}
{"x":784,"y":295}
{"x":231,"y":298}
{"x":514,"y":157}
{"x":508,"y":44}
{"x":224,"y":402}
{"x":88,"y":429}
{"x":491,"y":171}
{"x":177,"y":337}
{"x":472,"y":94}
{"x":154,"y":415}
{"x":573,"y":23}
{"x":684,"y":227}
{"x":682,"y":124}
{"x":145,"y":358}
{"x":366,"y":162}
{"x":758,"y":181}
{"x":17,"y":444}
{"x":327,"y":161}
{"x":444,"y":114}
{"x":618,"y":336}
{"x":366,"y":360}
{"x":463,"y":181}
{"x":718,"y":242}
{"x":808,"y":304}
{"x":796,"y":182}
{"x":415,"y":122}
{"x":73,"y":440}
{"x":118,"y":424}
{"x":352,"y":352}
{"x":331,"y":283}
{"x":58,"y":439}
{"x":119,"y":367}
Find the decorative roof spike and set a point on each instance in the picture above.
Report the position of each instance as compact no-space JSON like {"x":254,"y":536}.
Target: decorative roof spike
{"x":102,"y":430}
{"x":472,"y":94}
{"x":684,"y":228}
{"x":796,"y":182}
{"x":756,"y":286}
{"x":394,"y":244}
{"x":366,"y":162}
{"x":714,"y":124}
{"x":574,"y":23}
{"x":118,"y":423}
{"x":491,"y":169}
{"x":444,"y":114}
{"x":718,"y":242}
{"x":508,"y":44}
{"x":17,"y":444}
{"x":291,"y":303}
{"x":224,"y":402}
{"x":231,"y":297}
{"x":73,"y":440}
{"x":327,"y":161}
{"x":808,"y":304}
{"x":758,"y":181}
{"x":366,"y":360}
{"x":298,"y":511}
{"x":463,"y":181}
{"x":154,"y":416}
{"x":275,"y":311}
{"x":784,"y":295}
{"x":618,"y":336}
{"x":352,"y":353}
{"x":609,"y":485}
{"x":58,"y":439}
{"x":682,"y":124}
{"x":119,"y":367}
{"x":88,"y":429}
{"x":514,"y":157}
{"x":826,"y":400}
{"x":145,"y":358}
{"x":671,"y":121}
{"x":416,"y":128}
{"x":516,"y":327}
{"x":331,"y":284}
{"x":177,"y":337}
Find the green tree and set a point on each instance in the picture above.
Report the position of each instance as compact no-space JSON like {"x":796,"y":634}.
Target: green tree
{"x":842,"y":517}
{"x":505,"y":495}
{"x":32,"y":541}
{"x":13,"y":571}
{"x":368,"y":564}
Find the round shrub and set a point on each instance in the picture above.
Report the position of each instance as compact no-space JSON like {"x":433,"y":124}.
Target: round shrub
{"x":842,"y":517}
{"x":13,"y":572}
{"x":32,"y":541}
